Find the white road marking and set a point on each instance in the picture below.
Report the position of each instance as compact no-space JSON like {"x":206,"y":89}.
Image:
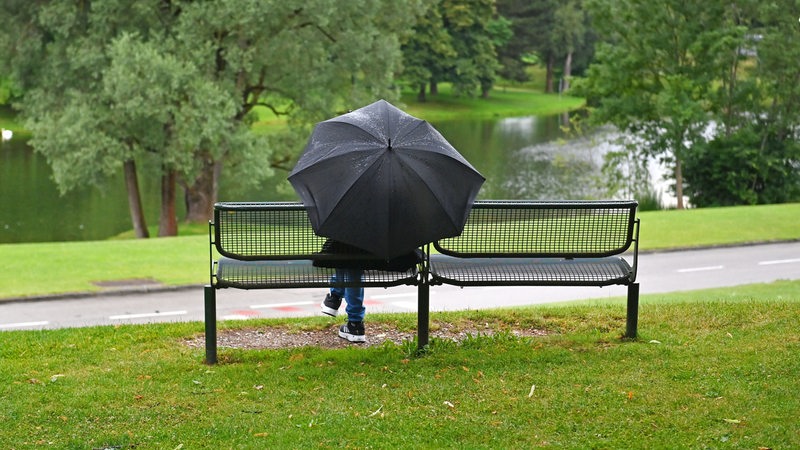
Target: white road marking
{"x":779,"y":261}
{"x":147,"y":315}
{"x":700,"y":269}
{"x":281,"y":305}
{"x":23,"y":324}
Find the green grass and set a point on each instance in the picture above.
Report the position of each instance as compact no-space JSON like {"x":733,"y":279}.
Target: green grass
{"x":68,"y":267}
{"x":502,"y":102}
{"x":711,"y":369}
{"x":719,"y":226}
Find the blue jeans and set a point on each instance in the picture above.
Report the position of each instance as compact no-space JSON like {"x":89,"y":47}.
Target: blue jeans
{"x":353,"y":296}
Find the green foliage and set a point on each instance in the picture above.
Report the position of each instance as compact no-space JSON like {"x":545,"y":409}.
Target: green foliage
{"x":557,"y":35}
{"x":668,"y":72}
{"x":428,"y":50}
{"x":454,"y":41}
{"x":104,"y":82}
{"x":7,"y":90}
{"x":742,"y":168}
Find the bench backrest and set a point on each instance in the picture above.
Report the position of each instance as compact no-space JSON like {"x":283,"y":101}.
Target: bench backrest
{"x":263,"y":231}
{"x":540,"y":229}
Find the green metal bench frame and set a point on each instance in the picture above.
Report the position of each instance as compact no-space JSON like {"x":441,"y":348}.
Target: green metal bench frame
{"x":271,"y":245}
{"x":538,"y":243}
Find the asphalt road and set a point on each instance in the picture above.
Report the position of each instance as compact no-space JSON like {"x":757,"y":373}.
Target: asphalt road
{"x":658,"y":273}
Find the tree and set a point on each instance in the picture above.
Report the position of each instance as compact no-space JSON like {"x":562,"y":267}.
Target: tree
{"x":427,"y":52}
{"x":711,"y":89}
{"x":754,"y":158}
{"x":531,"y":24}
{"x":174,"y":85}
{"x":742,"y":168}
{"x":556,"y":32}
{"x":469,"y":23}
{"x":568,"y":35}
{"x":455,"y":42}
{"x":655,"y":70}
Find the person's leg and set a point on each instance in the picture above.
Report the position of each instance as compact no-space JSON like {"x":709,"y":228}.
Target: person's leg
{"x":338,"y":291}
{"x":353,"y":330}
{"x":330,"y":306}
{"x":355,"y":304}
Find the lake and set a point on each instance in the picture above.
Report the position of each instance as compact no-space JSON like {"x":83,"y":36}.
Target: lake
{"x":521,"y":158}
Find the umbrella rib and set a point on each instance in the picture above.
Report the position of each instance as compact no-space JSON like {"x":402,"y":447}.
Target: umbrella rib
{"x":432,"y":191}
{"x":419,"y":123}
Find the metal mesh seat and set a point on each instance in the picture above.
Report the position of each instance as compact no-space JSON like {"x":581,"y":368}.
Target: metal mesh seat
{"x":295,"y":274}
{"x":530,"y":271}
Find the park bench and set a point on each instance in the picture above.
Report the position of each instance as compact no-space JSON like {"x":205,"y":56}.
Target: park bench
{"x":544,"y":243}
{"x":272,"y":245}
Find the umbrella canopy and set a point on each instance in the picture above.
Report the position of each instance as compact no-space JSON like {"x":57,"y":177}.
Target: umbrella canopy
{"x":384,"y":181}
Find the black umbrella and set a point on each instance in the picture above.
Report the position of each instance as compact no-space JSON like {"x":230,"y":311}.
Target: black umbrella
{"x":384,"y":181}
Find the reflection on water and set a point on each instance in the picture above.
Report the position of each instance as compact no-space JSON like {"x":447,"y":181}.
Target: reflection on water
{"x":521,"y":158}
{"x":556,"y":170}
{"x":528,"y":158}
{"x":32,"y":210}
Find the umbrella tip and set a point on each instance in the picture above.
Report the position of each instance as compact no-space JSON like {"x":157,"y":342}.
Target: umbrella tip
{"x":390,"y":144}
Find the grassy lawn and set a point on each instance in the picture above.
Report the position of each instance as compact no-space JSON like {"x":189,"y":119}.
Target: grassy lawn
{"x":711,"y":369}
{"x":502,"y":102}
{"x":719,"y":226}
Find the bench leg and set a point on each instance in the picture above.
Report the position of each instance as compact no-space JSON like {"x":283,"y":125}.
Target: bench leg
{"x":423,"y":314}
{"x":211,"y":324}
{"x":633,"y":311}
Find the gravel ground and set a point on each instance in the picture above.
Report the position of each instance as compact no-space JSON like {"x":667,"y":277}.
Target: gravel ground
{"x":377,"y":334}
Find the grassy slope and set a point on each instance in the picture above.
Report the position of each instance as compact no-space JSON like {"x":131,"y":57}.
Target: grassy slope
{"x":713,"y":369}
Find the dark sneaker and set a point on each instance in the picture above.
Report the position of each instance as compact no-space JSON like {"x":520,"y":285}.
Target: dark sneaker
{"x":330,"y":306}
{"x":353,"y":332}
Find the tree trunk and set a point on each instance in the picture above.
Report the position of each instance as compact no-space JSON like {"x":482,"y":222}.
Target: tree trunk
{"x":548,"y":82}
{"x":434,"y":88}
{"x":421,"y":93}
{"x":202,"y":193}
{"x":567,"y":72}
{"x":485,"y":89}
{"x":168,"y":222}
{"x":135,"y":200}
{"x":679,"y":183}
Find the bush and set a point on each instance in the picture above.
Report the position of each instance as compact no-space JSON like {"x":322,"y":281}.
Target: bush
{"x":741,"y":170}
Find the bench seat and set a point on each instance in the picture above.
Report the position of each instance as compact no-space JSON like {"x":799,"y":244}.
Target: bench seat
{"x":299,"y":273}
{"x":529,"y":271}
